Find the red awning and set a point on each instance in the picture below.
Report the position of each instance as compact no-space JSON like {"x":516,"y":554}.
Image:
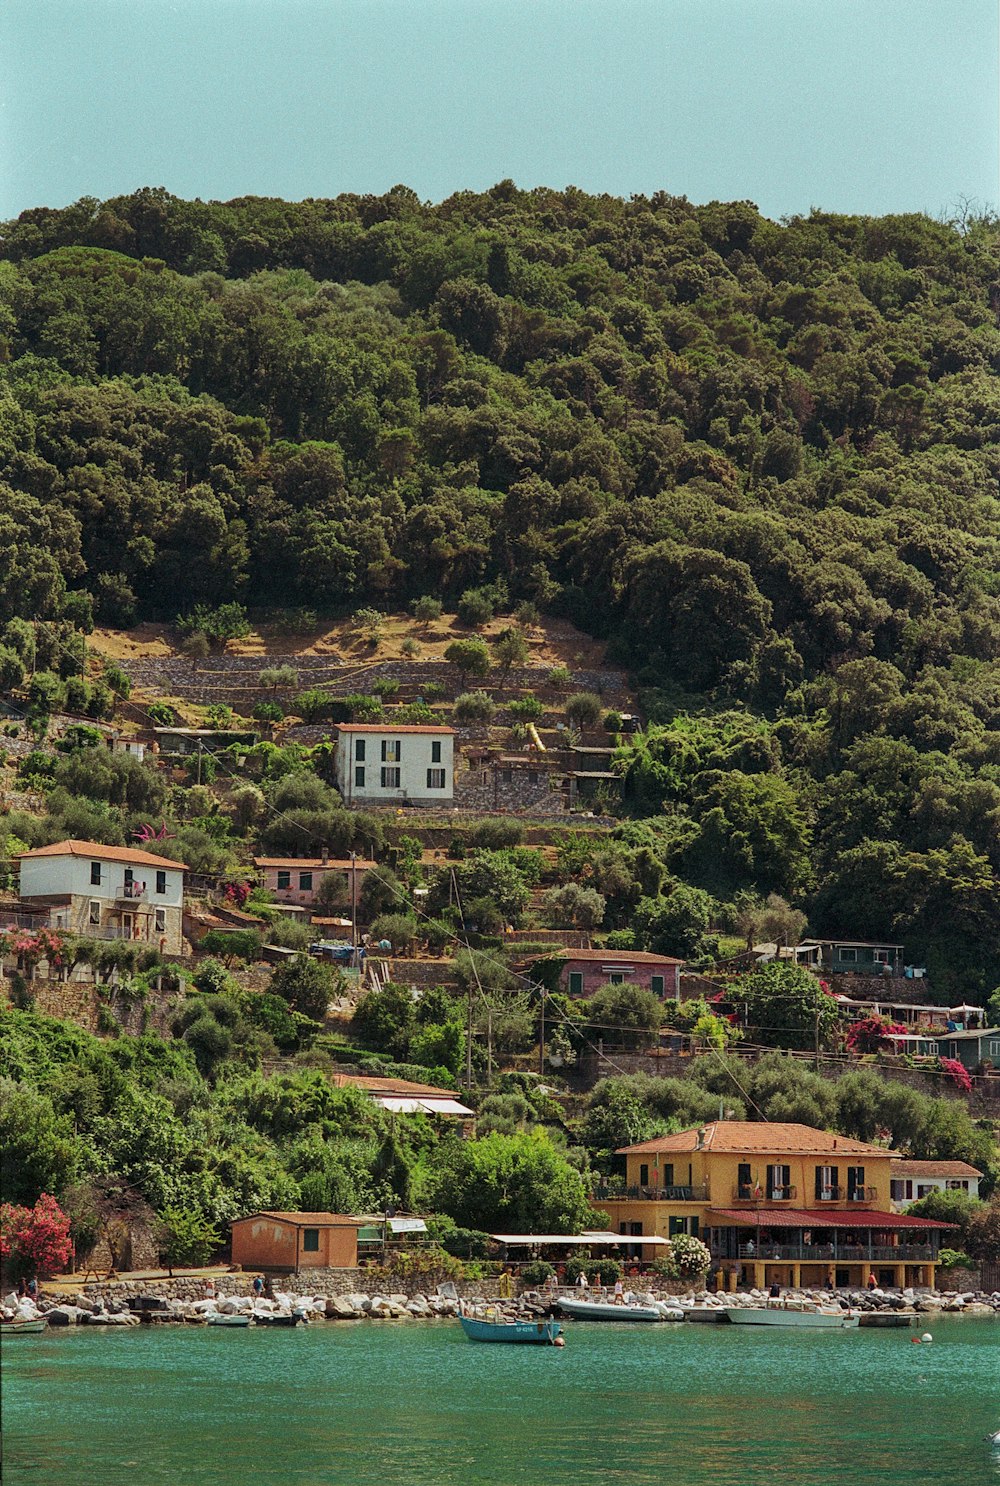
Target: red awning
{"x":809,"y":1218}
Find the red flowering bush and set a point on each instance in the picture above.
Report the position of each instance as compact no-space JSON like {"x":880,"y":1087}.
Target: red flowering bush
{"x":33,"y":945}
{"x":957,"y":1072}
{"x":34,"y":1240}
{"x":870,"y":1033}
{"x":237,"y":893}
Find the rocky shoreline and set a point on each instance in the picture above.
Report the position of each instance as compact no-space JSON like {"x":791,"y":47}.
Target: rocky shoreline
{"x":186,"y":1303}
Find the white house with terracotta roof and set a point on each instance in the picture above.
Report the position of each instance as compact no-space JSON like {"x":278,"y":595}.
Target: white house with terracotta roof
{"x":376,"y":763}
{"x":106,"y":892}
{"x":911,"y":1180}
{"x":403,"y":1096}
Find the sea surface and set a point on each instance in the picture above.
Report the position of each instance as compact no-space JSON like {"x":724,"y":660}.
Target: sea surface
{"x":416,"y":1403}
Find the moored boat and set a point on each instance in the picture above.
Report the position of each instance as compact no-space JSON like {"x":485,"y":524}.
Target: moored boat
{"x":792,"y":1313}
{"x":499,"y":1329}
{"x":607,"y":1310}
{"x":22,"y":1328}
{"x":263,"y":1318}
{"x":233,"y":1320}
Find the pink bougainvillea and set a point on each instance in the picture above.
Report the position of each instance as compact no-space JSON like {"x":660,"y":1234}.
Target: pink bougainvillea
{"x":957,"y":1072}
{"x":34,"y":1240}
{"x":870,"y":1033}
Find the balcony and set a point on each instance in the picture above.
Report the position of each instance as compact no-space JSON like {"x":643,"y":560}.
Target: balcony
{"x":612,"y":1191}
{"x":836,"y":1253}
{"x":776,"y":1194}
{"x":132,"y":892}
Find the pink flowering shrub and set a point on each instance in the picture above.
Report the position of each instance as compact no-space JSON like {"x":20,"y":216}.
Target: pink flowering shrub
{"x":870,"y":1033}
{"x":957,"y":1072}
{"x":34,"y":1240}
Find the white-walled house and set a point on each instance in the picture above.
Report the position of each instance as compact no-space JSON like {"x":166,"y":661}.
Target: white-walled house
{"x":377,"y":762}
{"x":911,"y":1180}
{"x":107,"y":892}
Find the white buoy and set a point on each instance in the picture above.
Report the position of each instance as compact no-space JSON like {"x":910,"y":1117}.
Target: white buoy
{"x":926,"y":1337}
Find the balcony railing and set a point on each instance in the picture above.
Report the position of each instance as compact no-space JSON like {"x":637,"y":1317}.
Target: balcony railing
{"x":612,"y":1191}
{"x":757,"y":1194}
{"x":134,"y":892}
{"x":840,"y":1253}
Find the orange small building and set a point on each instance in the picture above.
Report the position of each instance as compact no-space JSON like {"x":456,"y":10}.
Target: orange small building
{"x":295,"y":1241}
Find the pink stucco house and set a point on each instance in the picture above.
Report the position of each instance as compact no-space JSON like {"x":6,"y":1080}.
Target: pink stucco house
{"x":296,"y":879}
{"x":587,"y":970}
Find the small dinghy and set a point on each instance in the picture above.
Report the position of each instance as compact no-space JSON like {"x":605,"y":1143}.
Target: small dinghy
{"x":792,"y":1313}
{"x":499,"y":1329}
{"x":607,"y":1310}
{"x":227,"y":1320}
{"x":22,"y":1328}
{"x":296,"y":1319}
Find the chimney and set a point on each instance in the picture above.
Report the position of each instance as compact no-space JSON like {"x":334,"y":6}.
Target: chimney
{"x":326,"y":855}
{"x":699,"y":1142}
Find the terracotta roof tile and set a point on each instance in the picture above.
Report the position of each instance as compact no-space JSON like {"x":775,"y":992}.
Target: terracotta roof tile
{"x":314,"y":864}
{"x":100,"y":852}
{"x":308,"y":1220}
{"x":389,"y":728}
{"x":902,"y":1167}
{"x":746,"y":1137}
{"x":783,"y":1217}
{"x":374,"y":1085}
{"x":617,"y":957}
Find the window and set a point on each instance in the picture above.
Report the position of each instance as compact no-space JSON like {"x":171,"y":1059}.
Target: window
{"x":644,"y":1175}
{"x":575,"y":983}
{"x":94,"y":915}
{"x":436,"y":751}
{"x":779,"y":1182}
{"x":953,"y":1184}
{"x":390,"y":778}
{"x":95,"y":874}
{"x":897,"y":1190}
{"x":847,"y":955}
{"x":435,"y":779}
{"x":310,"y":1240}
{"x":161,"y":882}
{"x":359,"y":750}
{"x":284,"y":881}
{"x":616,"y":978}
{"x":305,"y":882}
{"x":159,"y":921}
{"x":827,"y":1183}
{"x":856,"y":1191}
{"x":881,"y":957}
{"x":744,"y":1180}
{"x":391,"y":751}
{"x":994,"y":1047}
{"x":129,"y":875}
{"x":667,"y":1176}
{"x":359,"y":776}
{"x":657,"y":985}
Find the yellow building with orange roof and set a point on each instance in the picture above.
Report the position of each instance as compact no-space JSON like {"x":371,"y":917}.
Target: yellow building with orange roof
{"x":775,"y":1203}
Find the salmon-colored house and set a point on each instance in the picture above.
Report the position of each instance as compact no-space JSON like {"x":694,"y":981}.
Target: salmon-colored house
{"x":295,"y":1241}
{"x":586,"y":971}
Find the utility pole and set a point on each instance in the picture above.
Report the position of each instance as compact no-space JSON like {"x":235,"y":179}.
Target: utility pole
{"x":199,"y":775}
{"x":541,"y":1036}
{"x":816,"y":1043}
{"x":354,"y":905}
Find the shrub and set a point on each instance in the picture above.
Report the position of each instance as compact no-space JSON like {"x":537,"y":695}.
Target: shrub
{"x":314,"y":704}
{"x":526,"y":709}
{"x":34,"y":1240}
{"x":469,"y":657}
{"x":957,"y":1072}
{"x":474,"y":706}
{"x":497,"y":834}
{"x":410,"y":648}
{"x":398,"y":928}
{"x":584,"y":709}
{"x":559,"y":677}
{"x":385,"y":686}
{"x":268,"y":712}
{"x":305,"y":984}
{"x":187,"y":1238}
{"x":605,"y":1270}
{"x":281,"y":678}
{"x":161,"y":714}
{"x":536,"y":1273}
{"x":227,"y":622}
{"x":955,"y":1259}
{"x":426,"y":609}
{"x":475,"y":608}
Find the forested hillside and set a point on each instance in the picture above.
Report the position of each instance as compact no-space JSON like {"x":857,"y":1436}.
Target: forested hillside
{"x":760,"y":459}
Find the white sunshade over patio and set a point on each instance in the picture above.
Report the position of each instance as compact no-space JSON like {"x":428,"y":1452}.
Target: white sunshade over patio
{"x":598,"y":1240}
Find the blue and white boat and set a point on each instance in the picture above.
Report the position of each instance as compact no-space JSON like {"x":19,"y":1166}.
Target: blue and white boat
{"x":498,"y":1329}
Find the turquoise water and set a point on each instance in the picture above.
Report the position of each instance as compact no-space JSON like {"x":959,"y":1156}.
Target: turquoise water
{"x":417,"y":1403}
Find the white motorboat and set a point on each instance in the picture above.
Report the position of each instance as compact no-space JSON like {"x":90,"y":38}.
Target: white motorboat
{"x":229,"y":1320}
{"x":792,"y":1313}
{"x":607,"y":1310}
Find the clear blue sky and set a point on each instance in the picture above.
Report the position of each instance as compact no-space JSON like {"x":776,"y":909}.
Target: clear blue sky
{"x":850,"y":105}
